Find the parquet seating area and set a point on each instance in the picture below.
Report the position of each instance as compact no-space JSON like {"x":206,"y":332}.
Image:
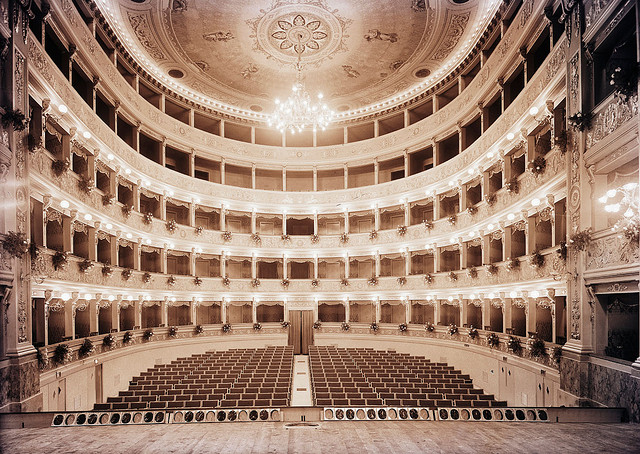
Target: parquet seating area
{"x":231,"y":378}
{"x":367,"y":377}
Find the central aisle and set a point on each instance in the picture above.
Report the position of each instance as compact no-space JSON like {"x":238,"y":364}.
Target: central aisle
{"x":301,"y":384}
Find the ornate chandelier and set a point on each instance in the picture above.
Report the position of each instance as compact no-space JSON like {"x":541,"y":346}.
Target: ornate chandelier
{"x":624,"y":198}
{"x":299,"y":112}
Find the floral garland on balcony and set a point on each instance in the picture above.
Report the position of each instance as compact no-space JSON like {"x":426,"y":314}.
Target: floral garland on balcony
{"x":173,"y":331}
{"x":147,"y":335}
{"x":199,"y":329}
{"x":109,"y":341}
{"x":59,"y":260}
{"x":429,"y":327}
{"x":624,"y":80}
{"x":402,"y":230}
{"x":491,"y":199}
{"x":537,"y":259}
{"x":472,"y":272}
{"x":86,"y":348}
{"x":492,"y":269}
{"x":127,"y":273}
{"x":127,"y":338}
{"x":255,"y":283}
{"x":86,"y":185}
{"x":172,"y":226}
{"x":86,"y":266}
{"x":473,"y":332}
{"x":108,"y":199}
{"x":373,"y":281}
{"x":15,"y":244}
{"x":62,"y":354}
{"x":257,"y":326}
{"x":317,"y":324}
{"x":345,"y":326}
{"x":374,"y":327}
{"x":197,"y":281}
{"x":556,"y":354}
{"x":538,"y":166}
{"x":14,"y":118}
{"x":580,"y":121}
{"x":127,"y":210}
{"x":285,"y":237}
{"x":285,"y":324}
{"x":147,"y":218}
{"x":171,"y":281}
{"x":472,"y":210}
{"x":255,"y":239}
{"x":226,"y":327}
{"x":513,"y":186}
{"x":373,"y":235}
{"x":315,"y":283}
{"x":493,"y":340}
{"x":536,"y":347}
{"x":107,"y":271}
{"x":452,"y":219}
{"x":402,"y":327}
{"x":146,"y":277}
{"x":428,"y":279}
{"x":563,"y":250}
{"x":428,"y":225}
{"x":34,"y":143}
{"x":60,"y":166}
{"x":453,"y":329}
{"x":514,"y":344}
{"x":198,"y":230}
{"x":344,"y":282}
{"x":314,"y":239}
{"x":226,"y":281}
{"x":285,"y":283}
{"x":344,"y":238}
{"x":513,"y":264}
{"x":579,"y":241}
{"x":453,"y":277}
{"x":402,"y":280}
{"x":560,"y":141}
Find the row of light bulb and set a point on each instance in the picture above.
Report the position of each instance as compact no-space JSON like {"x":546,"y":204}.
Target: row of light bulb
{"x":535,"y":294}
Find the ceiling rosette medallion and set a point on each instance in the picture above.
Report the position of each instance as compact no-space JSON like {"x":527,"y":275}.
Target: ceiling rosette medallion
{"x":289,"y":29}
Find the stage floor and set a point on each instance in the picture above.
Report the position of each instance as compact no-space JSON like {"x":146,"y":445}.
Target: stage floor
{"x":330,"y":437}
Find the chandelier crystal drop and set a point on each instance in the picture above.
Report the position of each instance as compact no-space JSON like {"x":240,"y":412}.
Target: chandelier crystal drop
{"x":299,"y":112}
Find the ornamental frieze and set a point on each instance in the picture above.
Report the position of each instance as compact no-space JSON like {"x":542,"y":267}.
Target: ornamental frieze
{"x":608,"y":120}
{"x":610,"y":251}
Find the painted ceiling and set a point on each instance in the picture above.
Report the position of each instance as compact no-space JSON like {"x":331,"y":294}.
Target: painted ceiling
{"x":243,"y":53}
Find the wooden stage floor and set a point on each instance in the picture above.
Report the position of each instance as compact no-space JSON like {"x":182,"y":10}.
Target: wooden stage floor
{"x":329,"y":437}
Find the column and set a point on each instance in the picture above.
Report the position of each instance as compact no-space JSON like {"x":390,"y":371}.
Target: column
{"x":486,"y":313}
{"x":407,"y":262}
{"x":114,"y":309}
{"x":376,"y":218}
{"x":137,"y":313}
{"x":506,"y":242}
{"x":531,"y":312}
{"x":253,"y":172}
{"x":192,"y":214}
{"x":346,"y":175}
{"x":486,"y":249}
{"x":254,"y":268}
{"x":437,"y":150}
{"x":436,"y":312}
{"x":135,"y":193}
{"x":506,"y":313}
{"x":192,"y":262}
{"x":464,"y":312}
{"x":113,"y":247}
{"x":436,"y":259}
{"x":284,"y":266}
{"x":284,"y":223}
{"x":94,"y":312}
{"x":192,"y":161}
{"x":315,"y":222}
{"x":163,"y":145}
{"x":222,"y":160}
{"x":377,"y":309}
{"x":136,"y":254}
{"x":407,"y":213}
{"x":223,"y":265}
{"x":162,"y":201}
{"x":223,"y":220}
{"x":223,"y":310}
{"x":193,"y":311}
{"x":253,"y":221}
{"x":376,"y":170}
{"x":70,"y":316}
{"x":163,"y":258}
{"x":462,"y":247}
{"x":346,"y":266}
{"x":407,"y":313}
{"x":436,"y":207}
{"x":346,"y":222}
{"x":284,"y":178}
{"x":254,"y":312}
{"x":347,"y":310}
{"x":92,"y":243}
{"x":377,"y":260}
{"x":315,"y":266}
{"x":164,"y":318}
{"x":315,"y":177}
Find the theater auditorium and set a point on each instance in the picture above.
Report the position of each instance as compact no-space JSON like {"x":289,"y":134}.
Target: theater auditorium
{"x":319,"y":226}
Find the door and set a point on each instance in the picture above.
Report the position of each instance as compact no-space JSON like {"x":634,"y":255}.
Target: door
{"x":301,"y":331}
